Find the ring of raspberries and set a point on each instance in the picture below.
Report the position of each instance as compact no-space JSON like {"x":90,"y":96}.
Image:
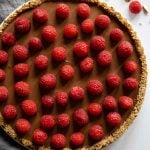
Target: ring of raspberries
{"x":84,"y":89}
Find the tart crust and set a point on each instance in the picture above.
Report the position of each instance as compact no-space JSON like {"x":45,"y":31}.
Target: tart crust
{"x":142,"y":84}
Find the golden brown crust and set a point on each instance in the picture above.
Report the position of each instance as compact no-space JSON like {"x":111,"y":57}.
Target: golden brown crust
{"x":142,"y":84}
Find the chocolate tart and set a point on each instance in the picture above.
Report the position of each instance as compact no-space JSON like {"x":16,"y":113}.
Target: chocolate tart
{"x":97,"y":7}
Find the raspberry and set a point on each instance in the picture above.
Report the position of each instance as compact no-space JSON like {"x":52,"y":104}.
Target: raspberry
{"x":62,"y":98}
{"x":77,"y":139}
{"x":130,"y":83}
{"x":58,"y":141}
{"x":96,"y":132}
{"x":35,"y":44}
{"x":125,"y":102}
{"x":22,"y":89}
{"x":70,"y":31}
{"x":114,"y":119}
{"x":63,"y":120}
{"x":47,"y":122}
{"x":9,"y":112}
{"x":76,"y":93}
{"x":130,"y":67}
{"x":113,"y":80}
{"x":80,"y":117}
{"x":3,"y":93}
{"x":21,"y":70}
{"x":97,"y":43}
{"x":40,"y":15}
{"x":94,"y":87}
{"x":20,"y":53}
{"x":47,"y":81}
{"x":67,"y":72}
{"x":22,"y":25}
{"x":22,"y":126}
{"x":3,"y":57}
{"x":116,"y":35}
{"x":135,"y":7}
{"x":83,"y":10}
{"x":49,"y":34}
{"x":8,"y":39}
{"x":81,"y":49}
{"x":41,"y":62}
{"x":124,"y":49}
{"x":47,"y":101}
{"x":87,"y":65}
{"x":102,"y":21}
{"x":94,"y":109}
{"x":109,"y":103}
{"x":59,"y":54}
{"x":29,"y":107}
{"x":104,"y":58}
{"x":2,"y":75}
{"x":62,"y":11}
{"x":87,"y":26}
{"x":39,"y":137}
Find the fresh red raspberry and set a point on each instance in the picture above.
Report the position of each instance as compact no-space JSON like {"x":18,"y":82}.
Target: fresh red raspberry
{"x":62,"y":11}
{"x":49,"y":34}
{"x":81,"y":49}
{"x":83,"y":10}
{"x":124,"y":49}
{"x":22,"y":25}
{"x":58,"y":141}
{"x":104,"y":58}
{"x":87,"y":26}
{"x":2,"y":75}
{"x":87,"y":65}
{"x":40,"y":15}
{"x":94,"y":109}
{"x":67,"y":72}
{"x":29,"y":107}
{"x":76,"y":93}
{"x":130,"y":83}
{"x":116,"y":35}
{"x":47,"y":122}
{"x":22,"y":126}
{"x":114,"y":119}
{"x":80,"y":117}
{"x":113,"y":80}
{"x":47,"y":101}
{"x":109,"y":103}
{"x":135,"y":7}
{"x":3,"y":57}
{"x":70,"y":31}
{"x":96,"y":132}
{"x":77,"y":139}
{"x":97,"y":43}
{"x":94,"y":87}
{"x":41,"y":62}
{"x":63,"y":120}
{"x":125,"y":102}
{"x":102,"y":21}
{"x":3,"y":93}
{"x":130,"y":67}
{"x":20,"y":53}
{"x":8,"y":39}
{"x":9,"y":112}
{"x":35,"y":44}
{"x":59,"y":54}
{"x":48,"y":81}
{"x":21,"y":70}
{"x":22,"y":89}
{"x":61,"y":98}
{"x":39,"y":137}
